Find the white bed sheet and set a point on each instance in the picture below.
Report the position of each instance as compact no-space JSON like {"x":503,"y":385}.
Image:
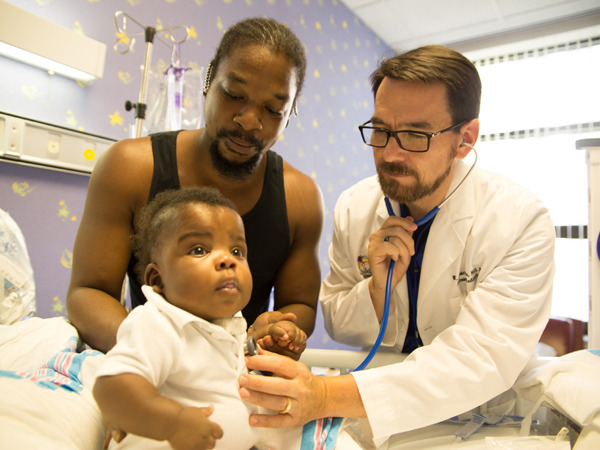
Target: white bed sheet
{"x":33,"y":414}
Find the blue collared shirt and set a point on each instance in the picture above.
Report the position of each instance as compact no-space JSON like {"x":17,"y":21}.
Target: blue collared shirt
{"x":413,"y":277}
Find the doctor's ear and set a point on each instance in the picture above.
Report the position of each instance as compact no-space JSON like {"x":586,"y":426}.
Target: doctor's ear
{"x":469,"y":137}
{"x":153,"y":279}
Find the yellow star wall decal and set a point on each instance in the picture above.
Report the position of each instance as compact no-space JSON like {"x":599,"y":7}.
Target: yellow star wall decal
{"x":64,"y":213}
{"x":115,"y":118}
{"x":57,"y":306}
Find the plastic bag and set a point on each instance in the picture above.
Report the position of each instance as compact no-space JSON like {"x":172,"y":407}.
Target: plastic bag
{"x":17,"y":288}
{"x":188,"y":112}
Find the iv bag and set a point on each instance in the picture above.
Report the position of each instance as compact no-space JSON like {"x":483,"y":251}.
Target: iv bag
{"x":175,"y":100}
{"x":17,"y":288}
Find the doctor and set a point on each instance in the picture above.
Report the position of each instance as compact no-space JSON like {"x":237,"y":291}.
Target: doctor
{"x":471,"y":287}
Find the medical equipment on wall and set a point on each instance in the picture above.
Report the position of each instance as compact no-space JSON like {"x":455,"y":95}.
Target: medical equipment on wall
{"x":17,"y":287}
{"x":149,"y":34}
{"x":592,"y":158}
{"x":388,"y":293}
{"x":32,"y":142}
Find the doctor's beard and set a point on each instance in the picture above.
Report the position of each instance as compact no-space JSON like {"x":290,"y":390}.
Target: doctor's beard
{"x":234,"y":170}
{"x":408,"y":194}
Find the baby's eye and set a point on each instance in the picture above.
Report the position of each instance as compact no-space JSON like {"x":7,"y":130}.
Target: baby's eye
{"x":238,"y":253}
{"x":198,"y":251}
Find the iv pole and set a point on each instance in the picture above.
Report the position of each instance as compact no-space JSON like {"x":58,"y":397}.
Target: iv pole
{"x":149,"y":34}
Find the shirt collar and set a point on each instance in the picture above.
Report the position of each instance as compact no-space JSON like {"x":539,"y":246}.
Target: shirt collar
{"x":234,"y":325}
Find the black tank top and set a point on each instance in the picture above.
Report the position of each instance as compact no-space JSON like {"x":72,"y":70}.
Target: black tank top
{"x":266,"y":225}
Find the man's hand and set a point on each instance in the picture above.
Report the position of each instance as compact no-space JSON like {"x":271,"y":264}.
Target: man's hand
{"x":293,"y":380}
{"x":393,"y":241}
{"x":278,"y":333}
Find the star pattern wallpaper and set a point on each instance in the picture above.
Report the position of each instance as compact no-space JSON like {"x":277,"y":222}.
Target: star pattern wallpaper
{"x":323,"y":141}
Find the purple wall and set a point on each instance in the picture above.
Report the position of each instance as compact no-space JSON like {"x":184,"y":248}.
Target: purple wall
{"x":322,"y":141}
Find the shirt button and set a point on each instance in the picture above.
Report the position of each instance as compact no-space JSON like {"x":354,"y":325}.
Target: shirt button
{"x":401,"y":326}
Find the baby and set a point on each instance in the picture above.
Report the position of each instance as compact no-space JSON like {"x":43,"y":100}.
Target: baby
{"x":173,"y":374}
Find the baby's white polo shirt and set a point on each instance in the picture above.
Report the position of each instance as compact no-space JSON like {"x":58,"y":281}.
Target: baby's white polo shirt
{"x":188,"y":359}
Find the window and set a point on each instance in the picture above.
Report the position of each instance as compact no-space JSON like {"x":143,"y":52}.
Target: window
{"x":535,"y":105}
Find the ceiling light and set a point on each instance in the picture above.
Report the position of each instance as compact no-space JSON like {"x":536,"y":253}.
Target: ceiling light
{"x":36,"y":41}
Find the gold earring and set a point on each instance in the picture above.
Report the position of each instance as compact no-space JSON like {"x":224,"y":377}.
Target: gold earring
{"x":207,"y":79}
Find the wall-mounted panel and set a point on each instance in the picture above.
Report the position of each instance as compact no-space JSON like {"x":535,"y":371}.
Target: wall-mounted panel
{"x":44,"y":144}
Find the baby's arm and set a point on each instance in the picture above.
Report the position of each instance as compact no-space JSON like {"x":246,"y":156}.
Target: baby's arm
{"x":132,"y":404}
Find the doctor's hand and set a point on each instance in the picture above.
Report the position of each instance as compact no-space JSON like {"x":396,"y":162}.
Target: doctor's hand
{"x":294,"y":381}
{"x":393,"y":241}
{"x":278,"y":333}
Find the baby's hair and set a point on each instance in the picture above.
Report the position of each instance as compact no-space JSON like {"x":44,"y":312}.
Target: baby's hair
{"x":145,"y":242}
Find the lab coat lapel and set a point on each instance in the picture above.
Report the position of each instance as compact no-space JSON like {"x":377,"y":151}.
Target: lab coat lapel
{"x":448,"y":234}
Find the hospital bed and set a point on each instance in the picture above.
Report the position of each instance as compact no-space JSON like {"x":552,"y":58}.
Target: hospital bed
{"x":46,"y":378}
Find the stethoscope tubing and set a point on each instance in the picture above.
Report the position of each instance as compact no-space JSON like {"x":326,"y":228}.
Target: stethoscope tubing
{"x":388,"y":285}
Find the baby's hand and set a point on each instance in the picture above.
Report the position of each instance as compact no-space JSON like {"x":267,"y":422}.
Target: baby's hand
{"x":277,"y":332}
{"x":287,"y":335}
{"x":193,"y":430}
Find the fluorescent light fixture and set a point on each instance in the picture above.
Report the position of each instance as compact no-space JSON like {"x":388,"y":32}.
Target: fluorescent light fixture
{"x":36,"y":41}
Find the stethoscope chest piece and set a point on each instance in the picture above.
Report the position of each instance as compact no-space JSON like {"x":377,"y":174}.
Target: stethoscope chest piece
{"x":251,"y":346}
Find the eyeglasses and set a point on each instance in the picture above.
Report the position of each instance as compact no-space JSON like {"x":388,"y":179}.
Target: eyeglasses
{"x":409,"y":140}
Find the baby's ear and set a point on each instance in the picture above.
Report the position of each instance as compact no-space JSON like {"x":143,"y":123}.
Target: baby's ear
{"x":152,"y":278}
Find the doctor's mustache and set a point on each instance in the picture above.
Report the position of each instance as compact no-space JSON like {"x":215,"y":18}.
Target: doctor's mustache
{"x":395,"y":168}
{"x":249,"y":139}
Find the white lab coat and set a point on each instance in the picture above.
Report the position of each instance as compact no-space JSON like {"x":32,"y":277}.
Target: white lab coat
{"x":484,"y":299}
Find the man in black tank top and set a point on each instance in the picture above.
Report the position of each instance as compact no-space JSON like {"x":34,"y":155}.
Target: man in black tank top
{"x":251,"y":89}
{"x":266,"y":224}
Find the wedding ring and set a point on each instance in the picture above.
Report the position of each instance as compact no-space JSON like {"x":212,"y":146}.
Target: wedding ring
{"x":287,"y":406}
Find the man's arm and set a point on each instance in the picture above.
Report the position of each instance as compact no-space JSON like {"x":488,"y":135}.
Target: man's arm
{"x":298,"y":280}
{"x":101,"y":252}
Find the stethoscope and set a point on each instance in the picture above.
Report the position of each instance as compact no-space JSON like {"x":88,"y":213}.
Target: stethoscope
{"x":388,"y":293}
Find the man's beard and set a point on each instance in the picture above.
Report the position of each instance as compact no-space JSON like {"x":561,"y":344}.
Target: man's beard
{"x":234,"y":170}
{"x":395,"y":191}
